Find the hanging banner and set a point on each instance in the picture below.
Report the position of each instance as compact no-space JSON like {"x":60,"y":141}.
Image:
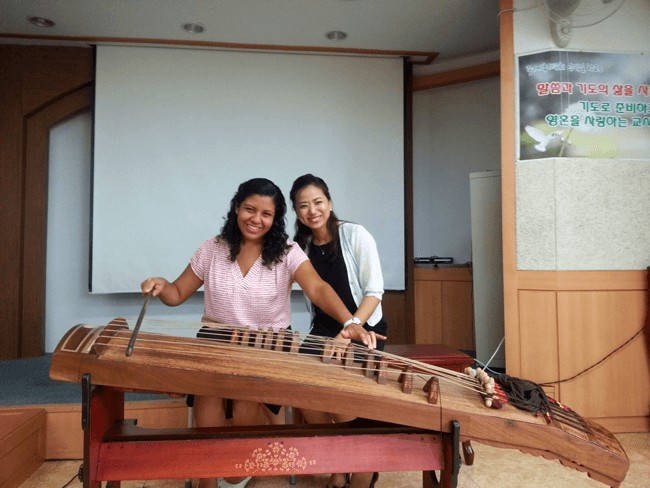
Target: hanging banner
{"x":584,"y":105}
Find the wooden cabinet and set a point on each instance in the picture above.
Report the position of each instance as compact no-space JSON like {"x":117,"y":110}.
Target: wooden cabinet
{"x":579,"y":331}
{"x":443,"y":307}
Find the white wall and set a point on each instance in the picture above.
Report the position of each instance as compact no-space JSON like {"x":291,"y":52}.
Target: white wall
{"x":456,"y":131}
{"x":582,"y":213}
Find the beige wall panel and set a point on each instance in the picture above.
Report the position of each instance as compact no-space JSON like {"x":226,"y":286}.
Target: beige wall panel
{"x":538,"y":336}
{"x":583,"y":214}
{"x":535,"y":210}
{"x":591,"y":325}
{"x":602,"y":209}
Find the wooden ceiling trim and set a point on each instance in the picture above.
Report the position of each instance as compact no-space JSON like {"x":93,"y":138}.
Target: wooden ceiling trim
{"x":419,"y":57}
{"x":462,"y":75}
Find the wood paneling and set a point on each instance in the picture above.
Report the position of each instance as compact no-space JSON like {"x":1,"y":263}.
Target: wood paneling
{"x":443,"y":307}
{"x":588,"y":346}
{"x":393,"y":306}
{"x":36,"y":163}
{"x":11,"y":185}
{"x":458,"y":314}
{"x":592,"y":325}
{"x":22,"y":444}
{"x":61,"y":433}
{"x":39,"y":87}
{"x":65,"y":436}
{"x":428,"y":312}
{"x":508,"y":145}
{"x":538,"y":336}
{"x":581,"y":280}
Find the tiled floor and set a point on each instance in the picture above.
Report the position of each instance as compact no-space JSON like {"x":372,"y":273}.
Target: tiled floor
{"x":492,"y":468}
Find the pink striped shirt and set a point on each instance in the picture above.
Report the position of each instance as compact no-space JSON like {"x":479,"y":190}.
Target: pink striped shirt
{"x":260,"y":299}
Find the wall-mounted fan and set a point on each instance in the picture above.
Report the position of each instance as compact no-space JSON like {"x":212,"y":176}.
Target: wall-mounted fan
{"x":565,"y":15}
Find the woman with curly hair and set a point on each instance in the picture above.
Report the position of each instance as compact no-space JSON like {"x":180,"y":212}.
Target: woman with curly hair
{"x":247,"y":272}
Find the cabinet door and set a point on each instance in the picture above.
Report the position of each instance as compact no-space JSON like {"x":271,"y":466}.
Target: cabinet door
{"x":428,"y":312}
{"x":443,"y":307}
{"x":457,"y":315}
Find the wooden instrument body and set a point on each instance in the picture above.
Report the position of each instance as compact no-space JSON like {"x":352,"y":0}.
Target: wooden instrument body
{"x":193,"y":366}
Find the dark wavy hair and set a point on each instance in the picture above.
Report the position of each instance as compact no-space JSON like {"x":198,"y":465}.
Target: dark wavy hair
{"x":275,"y":244}
{"x":303,"y":233}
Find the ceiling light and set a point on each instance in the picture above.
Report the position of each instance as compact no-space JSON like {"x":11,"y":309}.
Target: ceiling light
{"x":194,"y":27}
{"x":40,"y":21}
{"x":336,"y":35}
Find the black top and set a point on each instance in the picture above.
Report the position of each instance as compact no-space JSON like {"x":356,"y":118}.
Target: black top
{"x":333,"y":271}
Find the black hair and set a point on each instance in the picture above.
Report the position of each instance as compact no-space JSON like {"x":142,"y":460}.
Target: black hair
{"x":303,"y":233}
{"x":274,"y":246}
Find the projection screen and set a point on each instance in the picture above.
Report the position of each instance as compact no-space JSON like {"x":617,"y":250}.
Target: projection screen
{"x":177,"y":130}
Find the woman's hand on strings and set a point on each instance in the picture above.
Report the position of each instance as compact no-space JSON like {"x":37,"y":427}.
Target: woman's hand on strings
{"x":340,"y":345}
{"x":358,"y":333}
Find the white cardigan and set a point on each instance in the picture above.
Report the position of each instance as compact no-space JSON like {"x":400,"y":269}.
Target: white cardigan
{"x":363,"y":266}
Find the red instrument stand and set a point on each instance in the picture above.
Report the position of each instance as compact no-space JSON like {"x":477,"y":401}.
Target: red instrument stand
{"x":433,"y":354}
{"x":444,"y":357}
{"x":116,"y":449}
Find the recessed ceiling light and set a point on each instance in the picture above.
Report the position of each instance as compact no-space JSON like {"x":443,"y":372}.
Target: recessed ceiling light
{"x":194,"y":27}
{"x":40,"y":21}
{"x":336,"y":35}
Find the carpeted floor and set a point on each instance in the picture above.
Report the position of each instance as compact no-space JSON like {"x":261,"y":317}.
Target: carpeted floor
{"x":27,"y":382}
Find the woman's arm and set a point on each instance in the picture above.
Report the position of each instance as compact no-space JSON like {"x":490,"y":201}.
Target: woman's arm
{"x":175,"y":293}
{"x":363,"y":267}
{"x":324,"y":297}
{"x":321,"y":293}
{"x":366,"y":308}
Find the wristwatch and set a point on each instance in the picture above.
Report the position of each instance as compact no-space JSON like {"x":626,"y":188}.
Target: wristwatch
{"x":353,"y":320}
